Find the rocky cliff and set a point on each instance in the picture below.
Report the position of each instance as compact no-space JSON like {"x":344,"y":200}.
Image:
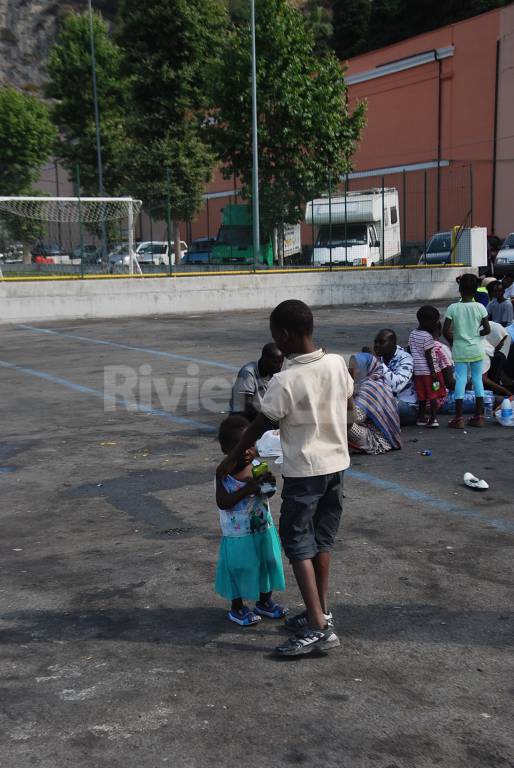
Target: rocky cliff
{"x":27,"y":31}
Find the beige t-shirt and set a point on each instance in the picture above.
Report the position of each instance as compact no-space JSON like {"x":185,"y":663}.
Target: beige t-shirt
{"x":309,"y":398}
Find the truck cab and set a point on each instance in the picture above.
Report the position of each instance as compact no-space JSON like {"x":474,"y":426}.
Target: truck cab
{"x":355,"y":244}
{"x":234,"y":244}
{"x":359,"y":229}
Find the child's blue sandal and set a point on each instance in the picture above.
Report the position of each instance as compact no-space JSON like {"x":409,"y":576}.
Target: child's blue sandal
{"x":270,"y":610}
{"x":245,"y":617}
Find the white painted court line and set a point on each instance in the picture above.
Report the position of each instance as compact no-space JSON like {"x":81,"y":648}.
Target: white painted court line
{"x":117,"y":400}
{"x":146,"y":350}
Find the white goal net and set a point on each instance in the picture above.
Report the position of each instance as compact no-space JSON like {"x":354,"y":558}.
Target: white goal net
{"x":85,"y":214}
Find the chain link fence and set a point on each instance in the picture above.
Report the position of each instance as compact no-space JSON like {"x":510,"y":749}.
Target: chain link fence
{"x":361,"y":220}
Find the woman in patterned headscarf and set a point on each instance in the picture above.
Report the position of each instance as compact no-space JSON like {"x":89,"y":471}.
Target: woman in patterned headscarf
{"x":377,"y":426}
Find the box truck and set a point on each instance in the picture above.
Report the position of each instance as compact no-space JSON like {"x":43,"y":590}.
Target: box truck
{"x":358,"y":229}
{"x":234,"y":244}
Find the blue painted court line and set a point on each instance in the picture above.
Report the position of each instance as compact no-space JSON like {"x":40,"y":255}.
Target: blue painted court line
{"x":146,"y":350}
{"x":432,"y":501}
{"x":117,"y":400}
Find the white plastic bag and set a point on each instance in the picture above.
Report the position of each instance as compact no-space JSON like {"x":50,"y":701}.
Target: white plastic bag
{"x":269,"y":445}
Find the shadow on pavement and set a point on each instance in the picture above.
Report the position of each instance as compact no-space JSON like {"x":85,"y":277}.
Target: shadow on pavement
{"x":202,"y":626}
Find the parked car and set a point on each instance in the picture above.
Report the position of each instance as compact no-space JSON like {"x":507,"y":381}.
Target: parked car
{"x":118,"y":257}
{"x":49,"y":253}
{"x":439,"y":249}
{"x":12,"y":253}
{"x":505,"y":257}
{"x":89,"y":254}
{"x":156,"y":252}
{"x":200,"y":251}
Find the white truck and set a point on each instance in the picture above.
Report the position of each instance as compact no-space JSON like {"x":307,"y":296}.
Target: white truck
{"x":349,"y":231}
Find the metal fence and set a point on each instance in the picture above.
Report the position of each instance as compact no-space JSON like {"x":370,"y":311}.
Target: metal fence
{"x":360,"y":220}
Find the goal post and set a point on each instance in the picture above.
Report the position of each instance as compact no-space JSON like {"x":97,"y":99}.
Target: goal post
{"x":91,"y":212}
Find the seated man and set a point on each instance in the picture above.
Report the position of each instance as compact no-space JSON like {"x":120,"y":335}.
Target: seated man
{"x":253,"y":380}
{"x":399,"y":374}
{"x":500,"y":309}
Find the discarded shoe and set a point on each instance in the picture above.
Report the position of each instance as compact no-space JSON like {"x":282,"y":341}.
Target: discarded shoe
{"x":473,"y":482}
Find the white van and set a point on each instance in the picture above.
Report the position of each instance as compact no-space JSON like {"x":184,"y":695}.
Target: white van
{"x":156,"y":252}
{"x":348,"y":229}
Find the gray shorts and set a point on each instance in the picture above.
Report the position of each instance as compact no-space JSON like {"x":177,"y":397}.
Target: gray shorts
{"x":310,"y":514}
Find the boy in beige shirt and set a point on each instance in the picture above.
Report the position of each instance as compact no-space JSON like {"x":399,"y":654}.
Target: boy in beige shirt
{"x":310,"y":398}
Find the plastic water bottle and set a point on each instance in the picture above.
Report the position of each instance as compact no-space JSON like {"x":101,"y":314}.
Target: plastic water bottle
{"x":260,"y":468}
{"x":506,"y":410}
{"x":489,"y":406}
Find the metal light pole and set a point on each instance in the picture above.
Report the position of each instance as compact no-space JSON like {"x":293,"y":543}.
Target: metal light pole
{"x":95,"y":101}
{"x":97,"y":121}
{"x":255,"y":145}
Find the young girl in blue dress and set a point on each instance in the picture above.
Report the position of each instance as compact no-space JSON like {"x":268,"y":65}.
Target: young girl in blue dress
{"x":250,"y":560}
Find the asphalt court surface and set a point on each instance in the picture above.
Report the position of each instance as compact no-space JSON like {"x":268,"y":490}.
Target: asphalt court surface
{"x":114,"y":649}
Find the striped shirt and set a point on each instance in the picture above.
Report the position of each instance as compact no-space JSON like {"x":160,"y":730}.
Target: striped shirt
{"x":442,"y":357}
{"x":419,"y":343}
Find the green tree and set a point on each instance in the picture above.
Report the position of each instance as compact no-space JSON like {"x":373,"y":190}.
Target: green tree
{"x":306,"y":128}
{"x":393,"y":20}
{"x":26,"y":140}
{"x":71,"y":87}
{"x":239,"y":10}
{"x":170,"y":48}
{"x":319,"y":21}
{"x":351,"y":27}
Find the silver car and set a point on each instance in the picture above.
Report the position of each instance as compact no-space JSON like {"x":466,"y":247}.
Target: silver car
{"x":505,"y":257}
{"x":439,"y":249}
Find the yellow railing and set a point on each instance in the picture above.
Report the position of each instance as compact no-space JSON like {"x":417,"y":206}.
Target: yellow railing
{"x":224,"y":273}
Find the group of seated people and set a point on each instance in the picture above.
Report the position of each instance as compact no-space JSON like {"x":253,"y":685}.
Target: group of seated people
{"x":385,"y":395}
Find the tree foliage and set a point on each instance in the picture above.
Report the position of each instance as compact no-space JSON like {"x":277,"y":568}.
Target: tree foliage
{"x":239,"y":10}
{"x":351,"y":23}
{"x":305,"y":125}
{"x":26,"y":139}
{"x":319,"y":21}
{"x":71,"y":87}
{"x":170,"y":47}
{"x":363,"y":25}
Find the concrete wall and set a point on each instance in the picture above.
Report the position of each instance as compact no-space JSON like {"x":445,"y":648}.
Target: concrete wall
{"x":38,"y":301}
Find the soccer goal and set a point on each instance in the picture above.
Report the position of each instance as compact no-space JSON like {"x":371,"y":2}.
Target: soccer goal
{"x":37,"y":218}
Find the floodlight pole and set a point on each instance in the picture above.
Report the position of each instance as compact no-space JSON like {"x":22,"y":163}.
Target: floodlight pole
{"x":95,"y":101}
{"x":255,"y":146}
{"x":97,"y":120}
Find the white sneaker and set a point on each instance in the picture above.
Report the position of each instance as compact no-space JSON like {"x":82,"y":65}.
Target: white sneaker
{"x":308,"y":641}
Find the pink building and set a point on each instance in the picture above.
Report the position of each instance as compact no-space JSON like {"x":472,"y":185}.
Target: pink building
{"x":443,"y":102}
